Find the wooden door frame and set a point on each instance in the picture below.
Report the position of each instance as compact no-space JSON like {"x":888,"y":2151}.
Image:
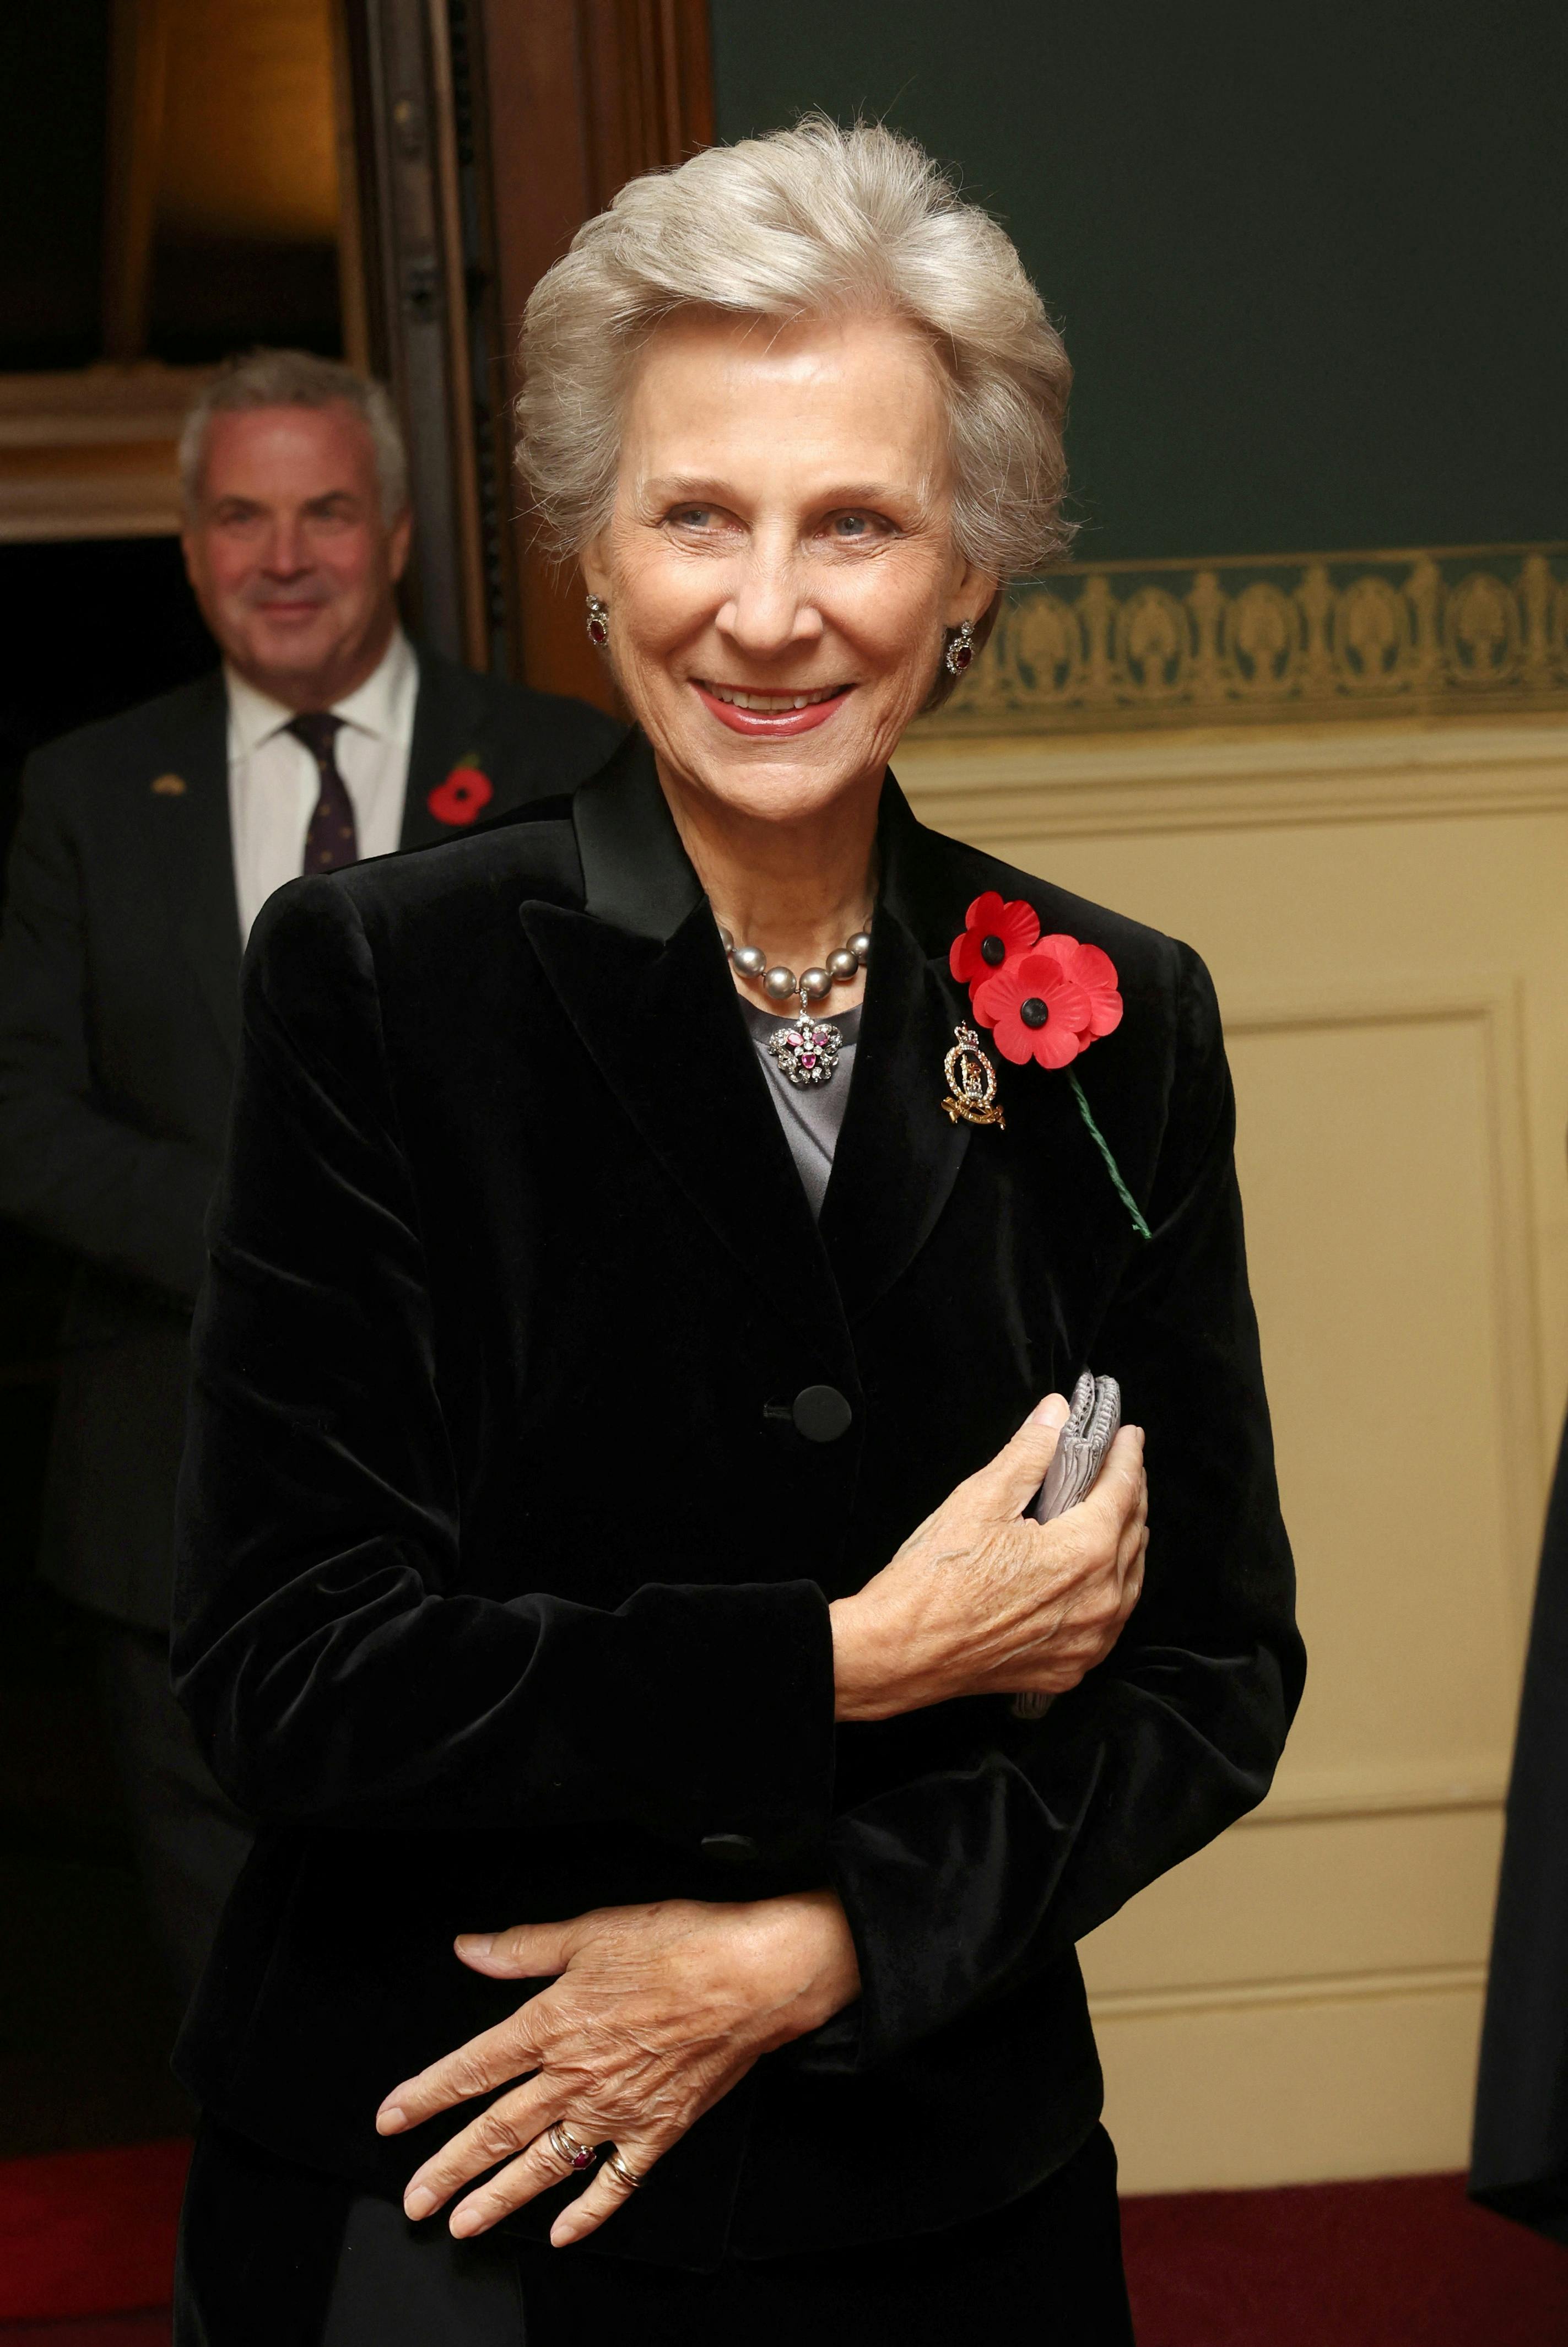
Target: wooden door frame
{"x":583,"y":95}
{"x":484,"y":133}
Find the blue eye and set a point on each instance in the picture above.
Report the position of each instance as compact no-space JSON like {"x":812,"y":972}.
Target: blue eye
{"x":856,"y":527}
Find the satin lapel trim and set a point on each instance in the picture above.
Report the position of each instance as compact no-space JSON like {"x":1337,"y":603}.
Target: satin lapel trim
{"x":195,"y":859}
{"x":661,"y":1024}
{"x":899,"y":1155}
{"x":636,"y":875}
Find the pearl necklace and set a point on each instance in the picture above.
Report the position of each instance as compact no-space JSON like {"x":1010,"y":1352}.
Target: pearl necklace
{"x":807,"y":1050}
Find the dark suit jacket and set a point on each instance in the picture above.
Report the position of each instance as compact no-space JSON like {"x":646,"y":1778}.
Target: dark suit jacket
{"x":119,"y":965}
{"x":1518,"y":2161}
{"x":504,"y":1573}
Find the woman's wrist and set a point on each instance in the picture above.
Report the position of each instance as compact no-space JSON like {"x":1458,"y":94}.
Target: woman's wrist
{"x":880,"y":1667}
{"x":803,"y":1961}
{"x":866,"y":1675}
{"x":854,"y":1674}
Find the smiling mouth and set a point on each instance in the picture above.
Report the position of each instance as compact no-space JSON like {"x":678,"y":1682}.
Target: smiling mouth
{"x":773,"y":704}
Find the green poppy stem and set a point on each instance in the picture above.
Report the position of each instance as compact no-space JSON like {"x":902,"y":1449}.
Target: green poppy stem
{"x":1123,"y":1191}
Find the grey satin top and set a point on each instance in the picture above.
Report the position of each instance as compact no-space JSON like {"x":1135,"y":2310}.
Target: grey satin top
{"x":811,"y":1114}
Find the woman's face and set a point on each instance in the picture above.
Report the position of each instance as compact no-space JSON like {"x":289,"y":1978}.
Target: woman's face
{"x":779,"y":567}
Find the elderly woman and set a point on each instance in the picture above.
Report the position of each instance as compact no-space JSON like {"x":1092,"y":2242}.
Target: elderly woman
{"x":650,"y":1227}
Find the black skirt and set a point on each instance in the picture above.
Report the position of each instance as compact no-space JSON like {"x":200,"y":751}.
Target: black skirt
{"x":273,"y":2255}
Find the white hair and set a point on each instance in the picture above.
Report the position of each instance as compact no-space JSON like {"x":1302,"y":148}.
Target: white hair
{"x":296,"y":379}
{"x":808,"y":222}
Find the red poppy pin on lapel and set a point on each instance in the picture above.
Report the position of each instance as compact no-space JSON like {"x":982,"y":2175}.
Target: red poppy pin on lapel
{"x":1043,"y":999}
{"x":463,"y":797}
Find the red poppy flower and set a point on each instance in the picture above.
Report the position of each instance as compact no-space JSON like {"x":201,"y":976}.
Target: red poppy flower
{"x":1035,"y":1010}
{"x":994,"y":933}
{"x":1093,"y":969}
{"x":464,"y":793}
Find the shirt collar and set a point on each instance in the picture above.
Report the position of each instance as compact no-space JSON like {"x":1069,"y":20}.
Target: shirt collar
{"x":383,"y":706}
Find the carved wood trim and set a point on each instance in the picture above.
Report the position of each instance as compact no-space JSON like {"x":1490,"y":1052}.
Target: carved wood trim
{"x":91,"y":453}
{"x":417,"y":301}
{"x":582,"y":95}
{"x":138,"y":56}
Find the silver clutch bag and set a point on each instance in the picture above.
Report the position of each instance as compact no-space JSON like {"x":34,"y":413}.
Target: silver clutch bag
{"x":1093,"y":1421}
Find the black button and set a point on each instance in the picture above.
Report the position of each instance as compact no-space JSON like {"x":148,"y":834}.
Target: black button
{"x":734,"y":1849}
{"x":820,"y":1413}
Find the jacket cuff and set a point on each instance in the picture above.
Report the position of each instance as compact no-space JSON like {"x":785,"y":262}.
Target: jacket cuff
{"x":947,"y":1883}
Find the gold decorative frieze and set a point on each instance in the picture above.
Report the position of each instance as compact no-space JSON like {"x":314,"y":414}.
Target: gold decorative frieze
{"x":1453,"y":630}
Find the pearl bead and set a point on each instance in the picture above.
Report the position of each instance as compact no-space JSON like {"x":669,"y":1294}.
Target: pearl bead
{"x":779,"y":982}
{"x":842,"y":964}
{"x":859,"y":945}
{"x":725,"y":939}
{"x":751,"y":960}
{"x":813,"y":983}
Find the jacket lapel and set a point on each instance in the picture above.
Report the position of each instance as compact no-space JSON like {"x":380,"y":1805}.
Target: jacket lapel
{"x":642,"y":976}
{"x":195,"y":851}
{"x":448,"y":732}
{"x":899,"y":1155}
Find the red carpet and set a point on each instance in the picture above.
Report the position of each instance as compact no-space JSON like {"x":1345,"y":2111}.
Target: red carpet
{"x":1404,"y":2262}
{"x":86,"y":2252}
{"x":88,"y":2233}
{"x":97,"y":2330}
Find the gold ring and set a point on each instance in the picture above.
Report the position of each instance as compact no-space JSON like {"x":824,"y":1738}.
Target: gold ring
{"x":565,"y":2146}
{"x":618,"y":2167}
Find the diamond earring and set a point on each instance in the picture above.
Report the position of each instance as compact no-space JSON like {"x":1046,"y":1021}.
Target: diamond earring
{"x":960,"y":649}
{"x":599,"y":622}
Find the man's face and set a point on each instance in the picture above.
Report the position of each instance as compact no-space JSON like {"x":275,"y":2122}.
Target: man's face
{"x":291,"y":561}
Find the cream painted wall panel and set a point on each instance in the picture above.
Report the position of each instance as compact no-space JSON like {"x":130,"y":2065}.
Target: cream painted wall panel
{"x":1293,"y":2092}
{"x":1367,"y":1163}
{"x":1384,"y":913}
{"x":1325,"y":1897}
{"x":1305,"y":908}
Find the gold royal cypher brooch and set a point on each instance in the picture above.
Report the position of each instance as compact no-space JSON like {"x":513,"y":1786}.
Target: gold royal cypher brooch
{"x":971,"y":1083}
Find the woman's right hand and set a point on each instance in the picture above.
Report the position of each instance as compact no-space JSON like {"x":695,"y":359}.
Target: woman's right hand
{"x":982,"y":1599}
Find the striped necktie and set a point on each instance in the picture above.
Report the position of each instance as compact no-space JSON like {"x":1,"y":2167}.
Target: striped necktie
{"x":331,"y":840}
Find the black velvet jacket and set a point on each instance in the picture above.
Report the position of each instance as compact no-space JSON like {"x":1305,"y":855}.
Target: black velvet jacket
{"x":504,"y":1570}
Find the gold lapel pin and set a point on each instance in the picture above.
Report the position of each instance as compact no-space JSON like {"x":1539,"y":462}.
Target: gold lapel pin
{"x":169,"y":786}
{"x":971,"y":1083}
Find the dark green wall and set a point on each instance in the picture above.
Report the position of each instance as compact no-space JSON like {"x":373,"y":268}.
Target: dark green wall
{"x":1310,"y":260}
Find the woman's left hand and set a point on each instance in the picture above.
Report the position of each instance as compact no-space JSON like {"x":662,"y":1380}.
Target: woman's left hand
{"x":654,"y":2014}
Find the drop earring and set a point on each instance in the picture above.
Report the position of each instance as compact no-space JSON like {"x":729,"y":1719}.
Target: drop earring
{"x":598,"y":622}
{"x":960,"y":648}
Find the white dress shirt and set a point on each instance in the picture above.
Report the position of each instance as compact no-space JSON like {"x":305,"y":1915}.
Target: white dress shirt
{"x":273,"y":782}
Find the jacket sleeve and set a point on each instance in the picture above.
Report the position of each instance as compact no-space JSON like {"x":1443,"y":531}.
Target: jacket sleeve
{"x":962,"y":1884}
{"x":333,"y":1666}
{"x":70,"y":1169}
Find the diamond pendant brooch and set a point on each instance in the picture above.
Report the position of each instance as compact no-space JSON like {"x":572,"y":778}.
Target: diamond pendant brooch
{"x":807,"y":1049}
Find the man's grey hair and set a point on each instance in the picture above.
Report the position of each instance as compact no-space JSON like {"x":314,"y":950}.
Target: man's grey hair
{"x":297,"y":379}
{"x":816,"y":221}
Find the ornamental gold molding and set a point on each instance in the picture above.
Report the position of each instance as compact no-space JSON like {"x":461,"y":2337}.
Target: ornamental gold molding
{"x":1446,"y":631}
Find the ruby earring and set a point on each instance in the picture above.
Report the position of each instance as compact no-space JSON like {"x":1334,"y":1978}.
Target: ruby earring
{"x":960,"y":648}
{"x":598,"y":622}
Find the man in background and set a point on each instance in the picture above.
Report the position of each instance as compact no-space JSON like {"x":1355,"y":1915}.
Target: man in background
{"x":145,"y":849}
